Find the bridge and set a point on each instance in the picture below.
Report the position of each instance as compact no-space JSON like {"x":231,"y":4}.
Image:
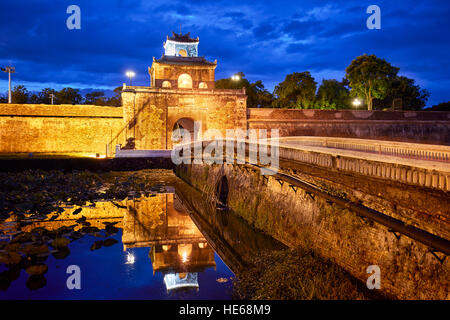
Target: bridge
{"x":358,"y":202}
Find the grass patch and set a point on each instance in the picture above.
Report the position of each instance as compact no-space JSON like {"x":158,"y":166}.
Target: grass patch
{"x":297,"y":274}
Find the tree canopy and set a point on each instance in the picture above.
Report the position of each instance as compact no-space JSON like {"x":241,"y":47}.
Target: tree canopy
{"x":369,"y":77}
{"x":443,"y":106}
{"x":69,"y":96}
{"x":95,"y":97}
{"x":297,"y":90}
{"x":19,"y":94}
{"x":411,"y":95}
{"x":333,"y":94}
{"x":257,"y":95}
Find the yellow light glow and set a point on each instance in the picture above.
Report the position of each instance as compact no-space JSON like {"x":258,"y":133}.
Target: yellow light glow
{"x":184,"y":251}
{"x":356,"y":102}
{"x":97,"y":156}
{"x":130,"y":74}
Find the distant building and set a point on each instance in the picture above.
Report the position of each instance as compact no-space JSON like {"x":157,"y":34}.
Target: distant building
{"x":181,"y":45}
{"x":180,"y":67}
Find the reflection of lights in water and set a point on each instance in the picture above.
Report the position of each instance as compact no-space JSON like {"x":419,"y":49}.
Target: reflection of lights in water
{"x":184,"y":251}
{"x":175,"y":281}
{"x":130,"y":258}
{"x":184,"y":256}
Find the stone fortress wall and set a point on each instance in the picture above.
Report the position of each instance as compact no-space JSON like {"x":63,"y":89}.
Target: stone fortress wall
{"x":87,"y":128}
{"x":57,"y":128}
{"x":403,"y":126}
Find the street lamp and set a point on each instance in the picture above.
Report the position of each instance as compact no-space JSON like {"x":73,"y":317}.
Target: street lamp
{"x":9,"y":70}
{"x":235,"y":77}
{"x":356,"y":102}
{"x":130,"y":74}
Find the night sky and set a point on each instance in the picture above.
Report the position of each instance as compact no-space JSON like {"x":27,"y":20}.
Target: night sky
{"x":265,"y":39}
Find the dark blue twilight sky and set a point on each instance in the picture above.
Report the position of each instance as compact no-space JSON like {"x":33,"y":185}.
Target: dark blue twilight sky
{"x":265,"y":39}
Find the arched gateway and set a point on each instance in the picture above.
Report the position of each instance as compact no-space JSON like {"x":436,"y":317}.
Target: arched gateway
{"x":181,"y":92}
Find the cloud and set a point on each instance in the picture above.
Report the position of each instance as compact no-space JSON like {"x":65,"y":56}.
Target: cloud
{"x":265,"y":39}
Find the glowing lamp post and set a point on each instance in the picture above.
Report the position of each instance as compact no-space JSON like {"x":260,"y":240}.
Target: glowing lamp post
{"x":130,"y":74}
{"x":356,"y":103}
{"x":235,"y":77}
{"x":9,"y":70}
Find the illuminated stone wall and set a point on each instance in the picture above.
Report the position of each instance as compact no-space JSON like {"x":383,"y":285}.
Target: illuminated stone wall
{"x":407,"y":126}
{"x":151,"y":113}
{"x":298,"y":218}
{"x":57,"y":128}
{"x":163,"y":72}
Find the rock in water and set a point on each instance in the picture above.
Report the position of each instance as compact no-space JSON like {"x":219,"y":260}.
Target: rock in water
{"x":60,"y":243}
{"x":97,"y":245}
{"x":37,"y":270}
{"x":10,"y":258}
{"x":109,"y":242}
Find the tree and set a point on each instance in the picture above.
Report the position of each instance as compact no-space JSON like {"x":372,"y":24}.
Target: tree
{"x":43,"y":97}
{"x":3,"y":98}
{"x":20,"y":94}
{"x":411,"y":95}
{"x":333,"y":94}
{"x":369,"y":77}
{"x":116,"y":99}
{"x":95,"y":97}
{"x":69,"y":96}
{"x":297,"y":90}
{"x":257,"y":95}
{"x":443,"y":106}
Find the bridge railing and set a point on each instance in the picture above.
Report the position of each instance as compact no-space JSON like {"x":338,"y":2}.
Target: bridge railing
{"x":399,"y":149}
{"x":430,"y":174}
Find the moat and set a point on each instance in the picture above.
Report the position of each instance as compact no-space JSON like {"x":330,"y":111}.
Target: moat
{"x":144,"y":235}
{"x":140,"y":247}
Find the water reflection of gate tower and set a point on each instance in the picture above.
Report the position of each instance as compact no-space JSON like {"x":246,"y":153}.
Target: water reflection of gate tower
{"x":180,"y":67}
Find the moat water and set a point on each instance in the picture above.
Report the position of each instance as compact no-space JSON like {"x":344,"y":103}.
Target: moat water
{"x":158,"y":246}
